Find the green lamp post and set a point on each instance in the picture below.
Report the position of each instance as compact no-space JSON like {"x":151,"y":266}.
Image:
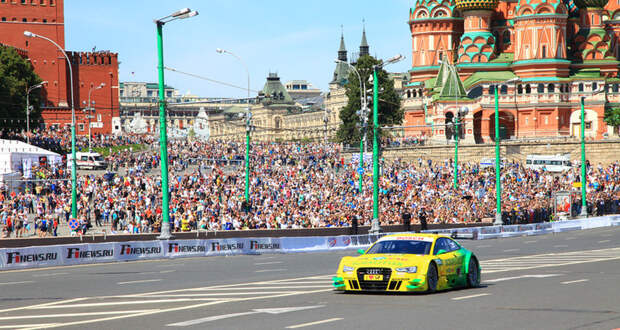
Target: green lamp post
{"x":375,"y":228}
{"x":163,"y":138}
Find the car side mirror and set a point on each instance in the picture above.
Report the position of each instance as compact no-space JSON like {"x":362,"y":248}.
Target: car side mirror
{"x":361,"y":251}
{"x":442,"y":251}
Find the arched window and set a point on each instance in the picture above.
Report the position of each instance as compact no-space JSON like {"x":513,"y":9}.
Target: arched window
{"x":581,"y":87}
{"x":408,"y":94}
{"x":528,"y":89}
{"x":550,"y":88}
{"x":615,"y":88}
{"x":594,"y":86}
{"x":520,"y":89}
{"x":541,"y":88}
{"x":475,"y":92}
{"x":492,"y":89}
{"x":504,"y":89}
{"x":506,"y":37}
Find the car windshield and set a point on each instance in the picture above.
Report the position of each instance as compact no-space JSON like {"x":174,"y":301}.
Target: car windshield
{"x":401,"y":247}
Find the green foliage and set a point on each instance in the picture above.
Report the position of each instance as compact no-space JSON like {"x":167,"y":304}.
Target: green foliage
{"x":612,"y":117}
{"x":390,"y":112}
{"x":16,"y":75}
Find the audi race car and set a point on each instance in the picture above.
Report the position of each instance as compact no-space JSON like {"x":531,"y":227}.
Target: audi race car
{"x":409,"y":263}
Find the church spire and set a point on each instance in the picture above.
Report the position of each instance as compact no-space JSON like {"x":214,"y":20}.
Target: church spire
{"x":342,"y":52}
{"x":364,"y":48}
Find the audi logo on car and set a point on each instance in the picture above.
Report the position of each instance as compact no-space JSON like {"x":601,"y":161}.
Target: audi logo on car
{"x":373,"y":271}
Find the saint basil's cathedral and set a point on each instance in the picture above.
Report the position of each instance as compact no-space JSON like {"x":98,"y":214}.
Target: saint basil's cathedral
{"x":543,"y":56}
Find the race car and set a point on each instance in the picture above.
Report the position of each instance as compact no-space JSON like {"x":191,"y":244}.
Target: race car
{"x":409,"y":263}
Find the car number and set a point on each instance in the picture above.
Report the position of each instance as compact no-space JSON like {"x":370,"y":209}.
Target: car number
{"x":373,"y":277}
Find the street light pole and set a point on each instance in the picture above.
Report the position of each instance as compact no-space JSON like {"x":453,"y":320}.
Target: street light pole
{"x":375,"y":227}
{"x":90,"y":112}
{"x":248,"y":118}
{"x":28,"y":90}
{"x":584,"y":203}
{"x":363,"y":114}
{"x":498,"y":183}
{"x":73,"y":160}
{"x":163,"y":137}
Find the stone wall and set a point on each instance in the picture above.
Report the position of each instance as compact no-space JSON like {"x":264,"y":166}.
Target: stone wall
{"x":604,"y":152}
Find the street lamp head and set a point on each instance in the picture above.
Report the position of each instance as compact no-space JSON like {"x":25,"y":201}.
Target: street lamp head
{"x":29,"y":34}
{"x":395,"y":59}
{"x":220,"y":50}
{"x":180,"y":12}
{"x":511,"y":80}
{"x":44,"y":82}
{"x":190,"y":14}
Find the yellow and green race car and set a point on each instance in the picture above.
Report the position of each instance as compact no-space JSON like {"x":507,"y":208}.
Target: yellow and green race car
{"x":409,"y":263}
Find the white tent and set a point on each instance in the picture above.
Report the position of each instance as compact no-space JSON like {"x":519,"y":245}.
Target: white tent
{"x":18,"y":157}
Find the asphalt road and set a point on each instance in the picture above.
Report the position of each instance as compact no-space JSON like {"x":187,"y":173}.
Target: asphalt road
{"x":558,"y":281}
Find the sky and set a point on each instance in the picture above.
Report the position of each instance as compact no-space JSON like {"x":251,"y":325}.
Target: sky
{"x":297,"y":39}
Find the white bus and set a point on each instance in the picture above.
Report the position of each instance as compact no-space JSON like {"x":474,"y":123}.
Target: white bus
{"x":551,"y":163}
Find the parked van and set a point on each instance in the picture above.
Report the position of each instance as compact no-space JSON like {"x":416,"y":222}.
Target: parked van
{"x":551,"y":163}
{"x":87,"y":161}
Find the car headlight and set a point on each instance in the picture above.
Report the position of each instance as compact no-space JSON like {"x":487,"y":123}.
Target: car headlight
{"x":347,"y":269}
{"x":413,"y":269}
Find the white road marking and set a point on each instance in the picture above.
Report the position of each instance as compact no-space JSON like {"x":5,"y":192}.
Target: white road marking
{"x":604,"y":241}
{"x":483,"y":246}
{"x":570,"y":238}
{"x":254,"y":311}
{"x":268,"y":263}
{"x":167,"y":271}
{"x":270,"y":270}
{"x":549,"y":260}
{"x":472,"y":296}
{"x":140,"y":281}
{"x":314,"y":323}
{"x":575,"y":281}
{"x":529,"y":242}
{"x":560,"y":245}
{"x":519,"y":277}
{"x":42,"y":305}
{"x":209,"y":319}
{"x":20,"y":282}
{"x":18,"y":326}
{"x":511,"y":250}
{"x":259,"y":288}
{"x":158,"y":301}
{"x":22,"y":317}
{"x":51,"y":274}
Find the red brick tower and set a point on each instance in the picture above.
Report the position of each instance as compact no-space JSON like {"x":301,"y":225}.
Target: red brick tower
{"x":46,"y":18}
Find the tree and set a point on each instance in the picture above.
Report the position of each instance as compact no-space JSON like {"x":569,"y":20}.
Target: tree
{"x":612,"y":118}
{"x":16,"y":76}
{"x":390,"y":112}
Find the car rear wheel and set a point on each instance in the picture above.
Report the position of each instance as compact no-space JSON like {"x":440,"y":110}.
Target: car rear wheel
{"x":473,"y":275}
{"x":432,"y":278}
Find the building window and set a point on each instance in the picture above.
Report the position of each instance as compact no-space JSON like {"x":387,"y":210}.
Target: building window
{"x":551,"y":88}
{"x":45,"y":20}
{"x":24,"y":20}
{"x":169,"y":93}
{"x":23,"y":2}
{"x":4,"y":19}
{"x":544,"y":52}
{"x":492,"y":89}
{"x":520,"y":89}
{"x":81,"y":127}
{"x":541,"y":88}
{"x":99,"y":117}
{"x":504,"y":89}
{"x":588,"y":125}
{"x":594,"y":86}
{"x":52,"y":2}
{"x":42,"y":2}
{"x":149,"y":93}
{"x":581,"y":87}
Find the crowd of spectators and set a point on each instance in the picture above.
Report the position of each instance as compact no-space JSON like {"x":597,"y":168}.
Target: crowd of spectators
{"x":292,"y":185}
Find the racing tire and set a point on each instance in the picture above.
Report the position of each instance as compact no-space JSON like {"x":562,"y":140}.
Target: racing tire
{"x":432,"y":277}
{"x":473,"y":275}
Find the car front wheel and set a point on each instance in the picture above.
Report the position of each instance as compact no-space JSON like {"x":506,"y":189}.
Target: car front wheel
{"x":432,"y":278}
{"x":473,"y":275}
